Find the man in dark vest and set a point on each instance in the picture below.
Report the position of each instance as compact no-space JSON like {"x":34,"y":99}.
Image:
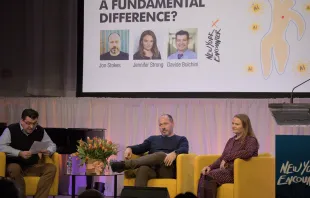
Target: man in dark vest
{"x":160,"y":162}
{"x":16,"y":142}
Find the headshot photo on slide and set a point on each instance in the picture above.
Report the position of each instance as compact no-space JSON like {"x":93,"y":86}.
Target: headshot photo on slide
{"x":182,"y":44}
{"x":146,"y":46}
{"x":114,"y":45}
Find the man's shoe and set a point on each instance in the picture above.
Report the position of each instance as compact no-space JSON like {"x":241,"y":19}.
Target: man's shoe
{"x":118,"y":166}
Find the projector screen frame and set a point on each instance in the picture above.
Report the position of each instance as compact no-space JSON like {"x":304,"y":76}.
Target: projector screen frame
{"x":79,"y":83}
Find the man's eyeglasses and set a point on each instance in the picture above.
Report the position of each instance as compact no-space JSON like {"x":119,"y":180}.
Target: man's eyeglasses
{"x":31,"y":123}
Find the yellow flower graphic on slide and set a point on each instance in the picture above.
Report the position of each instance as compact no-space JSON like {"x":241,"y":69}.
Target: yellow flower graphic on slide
{"x":256,"y":7}
{"x":255,"y":27}
{"x":275,"y":49}
{"x":250,"y":68}
{"x":307,"y":7}
{"x":302,"y":67}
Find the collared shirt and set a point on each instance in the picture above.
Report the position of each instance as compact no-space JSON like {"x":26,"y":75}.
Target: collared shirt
{"x":5,"y":141}
{"x":188,"y":54}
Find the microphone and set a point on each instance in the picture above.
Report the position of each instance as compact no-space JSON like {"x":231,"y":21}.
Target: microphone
{"x":296,"y":87}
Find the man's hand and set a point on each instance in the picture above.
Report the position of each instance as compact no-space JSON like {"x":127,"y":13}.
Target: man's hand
{"x":25,"y":154}
{"x":222,"y":166}
{"x":45,"y":152}
{"x":205,"y":170}
{"x":128,"y":153}
{"x":170,"y":158}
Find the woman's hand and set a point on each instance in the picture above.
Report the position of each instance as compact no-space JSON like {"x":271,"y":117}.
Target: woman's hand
{"x":205,"y":170}
{"x":222,"y":166}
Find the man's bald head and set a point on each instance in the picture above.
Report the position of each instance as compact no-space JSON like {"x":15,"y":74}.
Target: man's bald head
{"x":167,"y":116}
{"x":114,"y":44}
{"x":166,"y":125}
{"x":114,"y":36}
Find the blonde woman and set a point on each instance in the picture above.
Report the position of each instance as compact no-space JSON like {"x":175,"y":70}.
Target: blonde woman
{"x":243,"y":145}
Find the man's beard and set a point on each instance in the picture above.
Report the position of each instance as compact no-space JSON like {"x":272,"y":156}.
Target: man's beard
{"x":114,"y":50}
{"x":165,"y":133}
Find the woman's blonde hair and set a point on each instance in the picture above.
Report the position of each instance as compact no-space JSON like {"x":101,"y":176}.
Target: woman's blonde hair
{"x":246,"y":124}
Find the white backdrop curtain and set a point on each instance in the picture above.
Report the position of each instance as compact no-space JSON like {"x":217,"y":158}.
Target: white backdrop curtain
{"x":205,"y":122}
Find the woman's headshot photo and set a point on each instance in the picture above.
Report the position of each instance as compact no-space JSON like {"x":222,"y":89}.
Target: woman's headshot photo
{"x":147,"y":48}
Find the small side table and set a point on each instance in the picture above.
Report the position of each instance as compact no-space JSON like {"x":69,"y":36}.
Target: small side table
{"x":73,"y":175}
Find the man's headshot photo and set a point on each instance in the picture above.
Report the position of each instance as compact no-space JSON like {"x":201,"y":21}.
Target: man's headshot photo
{"x":182,"y":44}
{"x":114,"y":45}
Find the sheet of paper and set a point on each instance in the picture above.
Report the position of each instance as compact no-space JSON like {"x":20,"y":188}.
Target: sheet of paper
{"x":38,"y":146}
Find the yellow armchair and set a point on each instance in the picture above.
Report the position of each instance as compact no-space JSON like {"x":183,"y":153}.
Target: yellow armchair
{"x":31,"y":181}
{"x":254,"y":178}
{"x":184,"y":177}
{"x":2,"y":164}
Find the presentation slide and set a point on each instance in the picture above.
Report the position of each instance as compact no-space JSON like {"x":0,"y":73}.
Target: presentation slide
{"x":196,"y":46}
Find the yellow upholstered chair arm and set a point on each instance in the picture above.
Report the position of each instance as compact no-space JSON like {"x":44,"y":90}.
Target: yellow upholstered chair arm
{"x":2,"y":164}
{"x":200,"y":162}
{"x":254,"y":178}
{"x":185,"y":173}
{"x":264,"y":155}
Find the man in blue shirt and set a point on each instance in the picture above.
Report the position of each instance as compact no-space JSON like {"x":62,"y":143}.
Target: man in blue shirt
{"x":182,"y":41}
{"x":160,"y":162}
{"x":16,"y":142}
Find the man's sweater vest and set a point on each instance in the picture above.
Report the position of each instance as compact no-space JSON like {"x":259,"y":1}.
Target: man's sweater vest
{"x":23,"y":142}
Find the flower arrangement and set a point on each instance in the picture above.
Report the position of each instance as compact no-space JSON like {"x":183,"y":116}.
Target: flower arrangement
{"x":95,"y":151}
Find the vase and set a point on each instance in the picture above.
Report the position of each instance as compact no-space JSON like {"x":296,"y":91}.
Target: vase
{"x":95,"y":166}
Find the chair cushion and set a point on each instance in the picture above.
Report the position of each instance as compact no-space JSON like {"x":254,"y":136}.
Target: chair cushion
{"x":169,"y":183}
{"x":31,"y":185}
{"x":225,"y":191}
